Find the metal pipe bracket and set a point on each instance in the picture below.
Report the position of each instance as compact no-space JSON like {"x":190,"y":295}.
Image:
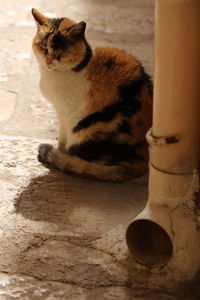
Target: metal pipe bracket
{"x":160,"y":140}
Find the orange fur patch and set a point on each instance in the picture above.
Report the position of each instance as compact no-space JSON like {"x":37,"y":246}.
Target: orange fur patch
{"x":66,"y":23}
{"x":108,"y":69}
{"x":74,"y":54}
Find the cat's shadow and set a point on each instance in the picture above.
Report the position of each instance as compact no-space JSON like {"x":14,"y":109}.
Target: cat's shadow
{"x":67,"y":200}
{"x":73,"y":205}
{"x":60,"y":218}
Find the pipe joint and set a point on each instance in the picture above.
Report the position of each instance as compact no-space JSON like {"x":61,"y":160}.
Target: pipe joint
{"x":160,"y":140}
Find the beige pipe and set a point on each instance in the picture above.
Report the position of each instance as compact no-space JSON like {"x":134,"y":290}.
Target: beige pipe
{"x":167,"y":232}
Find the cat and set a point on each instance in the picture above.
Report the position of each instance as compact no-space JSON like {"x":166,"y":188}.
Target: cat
{"x":103,"y":101}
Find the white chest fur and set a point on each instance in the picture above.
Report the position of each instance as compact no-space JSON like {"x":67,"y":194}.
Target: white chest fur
{"x":67,"y":91}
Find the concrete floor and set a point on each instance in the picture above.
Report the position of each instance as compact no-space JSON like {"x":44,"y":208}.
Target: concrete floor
{"x":62,"y":237}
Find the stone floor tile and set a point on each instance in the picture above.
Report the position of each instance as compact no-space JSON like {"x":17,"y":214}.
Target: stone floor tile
{"x":22,"y":287}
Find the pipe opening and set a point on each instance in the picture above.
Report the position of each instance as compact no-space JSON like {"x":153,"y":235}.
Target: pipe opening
{"x":149,"y":243}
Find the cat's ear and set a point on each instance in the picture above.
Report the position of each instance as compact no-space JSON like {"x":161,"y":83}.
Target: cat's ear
{"x":77,"y":31}
{"x":39,"y":18}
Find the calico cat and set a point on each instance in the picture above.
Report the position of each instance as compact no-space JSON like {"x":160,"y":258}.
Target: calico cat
{"x":103,"y":101}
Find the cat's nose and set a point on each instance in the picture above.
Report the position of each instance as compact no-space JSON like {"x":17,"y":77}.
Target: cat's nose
{"x":49,"y":58}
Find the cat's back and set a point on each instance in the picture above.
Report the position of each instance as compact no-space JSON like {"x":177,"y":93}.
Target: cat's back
{"x":112,"y":64}
{"x":114,"y":74}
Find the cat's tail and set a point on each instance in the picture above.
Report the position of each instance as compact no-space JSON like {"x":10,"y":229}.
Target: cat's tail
{"x":73,"y":164}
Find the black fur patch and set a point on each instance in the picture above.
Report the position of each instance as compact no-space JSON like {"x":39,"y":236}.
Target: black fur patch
{"x":129,"y":96}
{"x":110,"y":63}
{"x":59,"y":42}
{"x":139,"y":123}
{"x":124,"y":127}
{"x":147,"y":80}
{"x":128,"y":104}
{"x":100,"y":116}
{"x":85,"y":60}
{"x":94,"y":150}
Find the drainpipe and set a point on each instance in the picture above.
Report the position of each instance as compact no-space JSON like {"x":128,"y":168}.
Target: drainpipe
{"x":167,"y":232}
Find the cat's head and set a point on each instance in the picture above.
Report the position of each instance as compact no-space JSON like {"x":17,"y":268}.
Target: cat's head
{"x":59,"y":42}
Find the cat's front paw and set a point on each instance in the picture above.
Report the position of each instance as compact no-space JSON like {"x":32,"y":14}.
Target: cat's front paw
{"x":45,"y":153}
